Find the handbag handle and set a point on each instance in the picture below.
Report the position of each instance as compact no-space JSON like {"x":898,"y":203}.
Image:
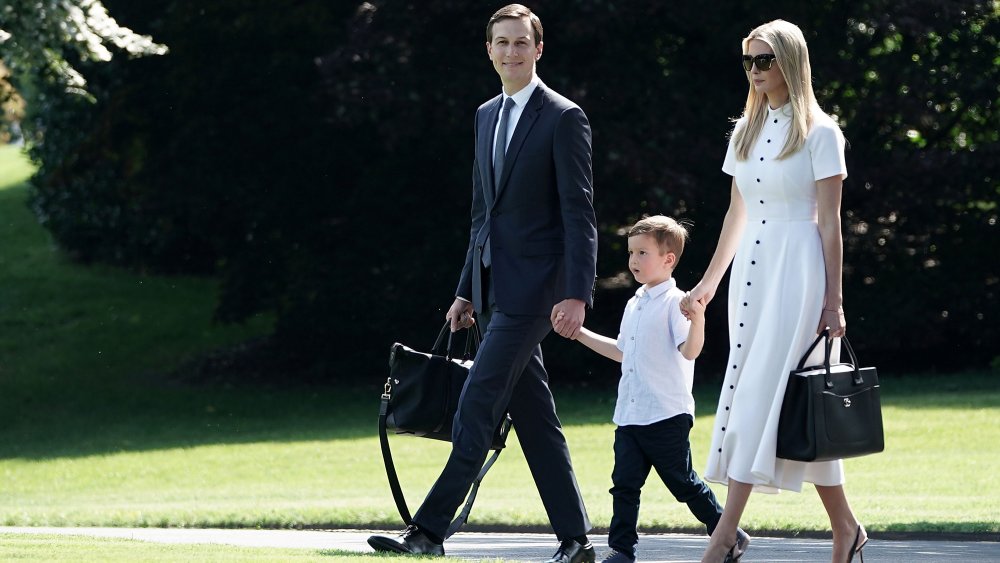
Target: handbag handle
{"x":828,"y":346}
{"x":472,"y":344}
{"x":472,"y":341}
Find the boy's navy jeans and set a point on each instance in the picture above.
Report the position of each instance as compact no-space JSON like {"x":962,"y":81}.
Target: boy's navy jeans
{"x":664,"y":446}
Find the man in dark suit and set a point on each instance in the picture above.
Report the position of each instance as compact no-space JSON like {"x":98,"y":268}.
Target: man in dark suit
{"x":532,"y":255}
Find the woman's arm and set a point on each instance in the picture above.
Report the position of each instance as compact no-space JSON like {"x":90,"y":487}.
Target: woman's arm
{"x":729,"y":240}
{"x":828,"y":211}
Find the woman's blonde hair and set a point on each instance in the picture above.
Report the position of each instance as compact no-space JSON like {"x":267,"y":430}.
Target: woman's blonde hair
{"x":792,"y":58}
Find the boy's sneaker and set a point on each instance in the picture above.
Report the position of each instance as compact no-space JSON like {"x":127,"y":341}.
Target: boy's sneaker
{"x":617,"y":557}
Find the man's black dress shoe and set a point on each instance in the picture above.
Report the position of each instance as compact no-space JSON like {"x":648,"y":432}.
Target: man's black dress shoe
{"x":571,"y":551}
{"x":412,"y":540}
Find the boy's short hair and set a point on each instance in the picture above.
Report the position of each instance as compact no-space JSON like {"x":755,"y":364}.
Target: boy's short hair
{"x":669,"y":234}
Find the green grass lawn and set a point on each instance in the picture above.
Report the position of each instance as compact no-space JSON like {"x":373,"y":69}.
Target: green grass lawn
{"x":93,"y":433}
{"x":49,"y":547}
{"x":44,"y":547}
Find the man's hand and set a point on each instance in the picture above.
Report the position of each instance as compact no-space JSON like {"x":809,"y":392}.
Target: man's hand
{"x":567,"y":317}
{"x":460,"y":315}
{"x":559,"y":317}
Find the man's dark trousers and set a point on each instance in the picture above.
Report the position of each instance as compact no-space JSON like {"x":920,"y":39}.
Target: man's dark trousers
{"x":508,"y":371}
{"x":664,"y":446}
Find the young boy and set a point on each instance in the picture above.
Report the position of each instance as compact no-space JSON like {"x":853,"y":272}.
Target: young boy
{"x":656,"y":346}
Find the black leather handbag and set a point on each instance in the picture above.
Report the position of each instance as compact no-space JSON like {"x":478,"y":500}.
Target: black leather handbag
{"x":830,"y":411}
{"x":424,"y":387}
{"x":421,"y":398}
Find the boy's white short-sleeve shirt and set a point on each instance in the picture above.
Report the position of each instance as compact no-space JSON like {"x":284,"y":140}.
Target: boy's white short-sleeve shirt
{"x":656,"y":379}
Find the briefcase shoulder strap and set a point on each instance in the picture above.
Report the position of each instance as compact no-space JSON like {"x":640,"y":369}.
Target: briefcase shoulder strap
{"x":397,"y":491}
{"x":390,"y":467}
{"x":463,"y":516}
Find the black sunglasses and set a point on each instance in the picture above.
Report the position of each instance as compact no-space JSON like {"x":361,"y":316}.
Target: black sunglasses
{"x":763,"y":62}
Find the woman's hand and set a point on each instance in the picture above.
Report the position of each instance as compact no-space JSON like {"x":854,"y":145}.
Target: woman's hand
{"x":835,"y":320}
{"x":702,"y":293}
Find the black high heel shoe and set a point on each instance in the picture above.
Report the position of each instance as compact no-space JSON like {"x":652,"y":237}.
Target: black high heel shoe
{"x":856,"y":548}
{"x":739,"y":549}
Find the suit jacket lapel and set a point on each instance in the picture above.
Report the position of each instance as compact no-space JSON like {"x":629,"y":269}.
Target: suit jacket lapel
{"x":524,"y":124}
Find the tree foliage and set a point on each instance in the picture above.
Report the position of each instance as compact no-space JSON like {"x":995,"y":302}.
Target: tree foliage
{"x":36,"y":35}
{"x":317,"y":157}
{"x":922,"y":118}
{"x":11,"y":107}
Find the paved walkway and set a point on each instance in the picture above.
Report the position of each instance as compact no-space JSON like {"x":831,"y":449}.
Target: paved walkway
{"x":538,"y":547}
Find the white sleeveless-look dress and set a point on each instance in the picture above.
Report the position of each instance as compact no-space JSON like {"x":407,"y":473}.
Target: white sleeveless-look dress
{"x":776,"y":293}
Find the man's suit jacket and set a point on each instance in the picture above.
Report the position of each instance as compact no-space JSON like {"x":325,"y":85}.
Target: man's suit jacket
{"x":539,"y":218}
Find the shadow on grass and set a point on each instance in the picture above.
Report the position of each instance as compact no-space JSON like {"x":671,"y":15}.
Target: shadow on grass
{"x":940,"y":531}
{"x":60,"y":421}
{"x":66,"y":422}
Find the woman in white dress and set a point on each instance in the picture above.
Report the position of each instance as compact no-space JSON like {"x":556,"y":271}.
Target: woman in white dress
{"x":783,"y":227}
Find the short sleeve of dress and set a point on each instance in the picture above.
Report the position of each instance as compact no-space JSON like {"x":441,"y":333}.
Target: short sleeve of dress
{"x":826,"y":150}
{"x":729,"y":165}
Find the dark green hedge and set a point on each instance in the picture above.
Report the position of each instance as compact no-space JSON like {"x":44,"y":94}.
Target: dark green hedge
{"x":317,"y":157}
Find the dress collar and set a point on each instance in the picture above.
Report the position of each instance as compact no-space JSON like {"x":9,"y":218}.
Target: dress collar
{"x":783,"y":112}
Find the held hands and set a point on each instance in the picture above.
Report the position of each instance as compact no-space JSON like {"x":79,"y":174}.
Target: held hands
{"x":693,"y":310}
{"x":700,"y":297}
{"x":559,"y":318}
{"x":835,"y":320}
{"x":702,"y":292}
{"x":460,"y":315}
{"x":567,"y":317}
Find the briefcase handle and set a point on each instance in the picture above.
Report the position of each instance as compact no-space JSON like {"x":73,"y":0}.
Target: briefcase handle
{"x":472,"y":340}
{"x":828,"y":346}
